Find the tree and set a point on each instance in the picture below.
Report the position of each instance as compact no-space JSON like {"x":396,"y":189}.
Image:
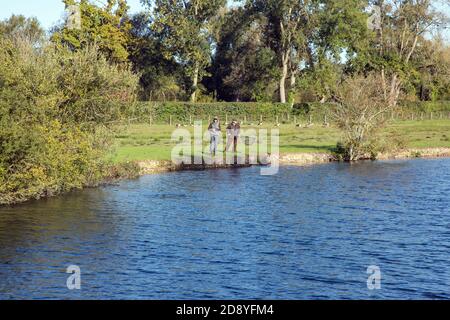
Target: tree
{"x":359,"y":111}
{"x":403,"y":25}
{"x":19,"y":26}
{"x":107,"y":27}
{"x":341,"y":30}
{"x":183,"y":27}
{"x":311,"y":35}
{"x":244,"y":65}
{"x":286,"y":18}
{"x":55,"y":105}
{"x":432,"y":62}
{"x":161,"y":77}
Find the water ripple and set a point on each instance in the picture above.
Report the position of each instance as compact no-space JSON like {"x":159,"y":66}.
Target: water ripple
{"x":306,"y":233}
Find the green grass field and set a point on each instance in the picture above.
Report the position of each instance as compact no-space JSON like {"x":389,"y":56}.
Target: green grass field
{"x":145,"y":142}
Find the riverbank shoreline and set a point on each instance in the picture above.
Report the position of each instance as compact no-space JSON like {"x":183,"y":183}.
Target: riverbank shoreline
{"x":148,"y":167}
{"x":323,"y":213}
{"x":136,"y":169}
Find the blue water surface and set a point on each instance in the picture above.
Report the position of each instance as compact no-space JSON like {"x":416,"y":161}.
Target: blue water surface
{"x":305,"y":233}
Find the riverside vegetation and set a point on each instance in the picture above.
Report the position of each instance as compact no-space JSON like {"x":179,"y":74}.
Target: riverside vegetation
{"x":62,"y":115}
{"x":55,"y":110}
{"x":65,"y":95}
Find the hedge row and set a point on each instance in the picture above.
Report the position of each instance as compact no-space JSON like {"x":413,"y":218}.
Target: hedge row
{"x":320,"y":109}
{"x":425,"y":106}
{"x":184,"y":111}
{"x":164,"y":112}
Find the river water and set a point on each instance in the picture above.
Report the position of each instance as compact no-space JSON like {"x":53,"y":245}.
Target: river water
{"x":306,"y":233}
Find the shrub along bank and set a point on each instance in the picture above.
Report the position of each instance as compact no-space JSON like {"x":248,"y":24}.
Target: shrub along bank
{"x":55,"y":110}
{"x":185,"y":112}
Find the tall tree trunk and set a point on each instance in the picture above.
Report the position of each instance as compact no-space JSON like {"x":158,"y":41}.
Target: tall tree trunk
{"x":194,"y":85}
{"x":292,"y":85}
{"x":293,"y":80}
{"x":284,"y":74}
{"x":394,"y":91}
{"x":383,"y":83}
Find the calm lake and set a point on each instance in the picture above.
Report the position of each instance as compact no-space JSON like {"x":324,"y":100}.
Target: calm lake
{"x":306,"y":233}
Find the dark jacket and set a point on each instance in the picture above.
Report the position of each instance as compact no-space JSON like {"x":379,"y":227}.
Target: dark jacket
{"x":214,"y":129}
{"x":234,"y":130}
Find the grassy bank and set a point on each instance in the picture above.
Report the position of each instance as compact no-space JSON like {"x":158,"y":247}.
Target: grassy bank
{"x":145,"y":142}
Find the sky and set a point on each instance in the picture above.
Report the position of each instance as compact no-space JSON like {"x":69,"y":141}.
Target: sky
{"x":48,"y":12}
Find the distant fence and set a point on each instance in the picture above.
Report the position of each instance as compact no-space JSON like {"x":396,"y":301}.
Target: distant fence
{"x":253,"y":113}
{"x":184,"y":112}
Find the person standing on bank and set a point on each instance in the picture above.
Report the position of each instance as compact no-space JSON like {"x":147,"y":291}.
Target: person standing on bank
{"x":214,"y":131}
{"x":233,"y":132}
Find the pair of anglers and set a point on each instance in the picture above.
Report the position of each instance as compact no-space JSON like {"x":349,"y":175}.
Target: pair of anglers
{"x":215,"y":131}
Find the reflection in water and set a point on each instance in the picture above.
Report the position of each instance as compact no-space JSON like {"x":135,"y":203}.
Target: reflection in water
{"x":308,"y":232}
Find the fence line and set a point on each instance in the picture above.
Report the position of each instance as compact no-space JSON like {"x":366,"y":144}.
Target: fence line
{"x":284,"y":118}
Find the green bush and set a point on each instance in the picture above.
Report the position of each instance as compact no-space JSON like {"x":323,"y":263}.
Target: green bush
{"x":55,"y":109}
{"x":320,"y":110}
{"x":425,"y":106}
{"x":184,"y":111}
{"x":316,"y":110}
{"x":160,"y":112}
